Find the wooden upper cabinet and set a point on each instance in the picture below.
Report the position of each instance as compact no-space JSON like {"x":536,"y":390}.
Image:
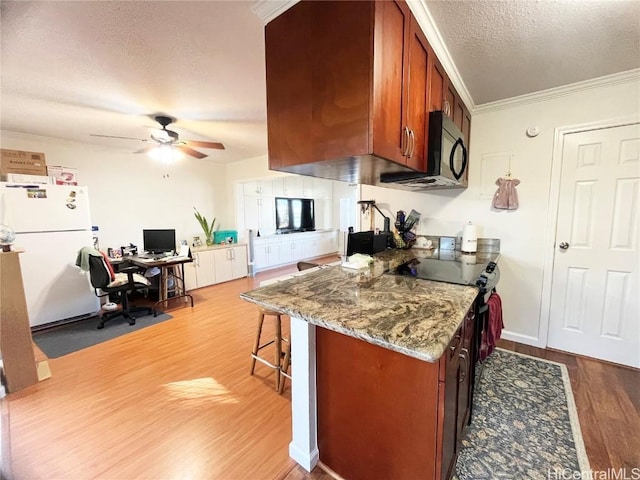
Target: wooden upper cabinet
{"x":390,"y":78}
{"x":350,"y":85}
{"x":347,"y":89}
{"x":437,"y":84}
{"x":417,"y":88}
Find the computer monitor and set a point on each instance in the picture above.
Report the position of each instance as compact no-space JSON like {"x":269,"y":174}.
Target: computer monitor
{"x":159,"y":241}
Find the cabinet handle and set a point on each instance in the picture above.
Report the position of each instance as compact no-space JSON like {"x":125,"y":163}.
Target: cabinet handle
{"x":453,"y":347}
{"x":404,"y":143}
{"x":412,"y":143}
{"x":464,"y":355}
{"x":197,"y":260}
{"x":446,"y":108}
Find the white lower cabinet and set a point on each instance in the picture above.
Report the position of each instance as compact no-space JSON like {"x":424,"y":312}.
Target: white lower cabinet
{"x":276,"y":250}
{"x":230,"y":263}
{"x":215,"y":265}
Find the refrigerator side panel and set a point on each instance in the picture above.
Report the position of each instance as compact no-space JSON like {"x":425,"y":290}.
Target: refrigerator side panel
{"x":45,"y":208}
{"x":55,"y":289}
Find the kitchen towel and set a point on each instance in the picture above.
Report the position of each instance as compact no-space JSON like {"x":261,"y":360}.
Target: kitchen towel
{"x":493,"y":328}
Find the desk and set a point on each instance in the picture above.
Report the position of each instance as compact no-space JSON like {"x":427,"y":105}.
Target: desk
{"x":167,"y":270}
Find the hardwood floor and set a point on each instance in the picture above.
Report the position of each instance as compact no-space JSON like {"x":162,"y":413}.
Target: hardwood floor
{"x":175,"y":400}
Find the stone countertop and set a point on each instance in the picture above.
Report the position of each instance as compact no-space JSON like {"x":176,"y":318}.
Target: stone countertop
{"x":415,"y":317}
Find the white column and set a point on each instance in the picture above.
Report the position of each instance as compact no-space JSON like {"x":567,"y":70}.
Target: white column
{"x":304,"y":444}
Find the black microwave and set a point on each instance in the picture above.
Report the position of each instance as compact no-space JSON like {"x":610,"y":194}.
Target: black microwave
{"x":446,"y":159}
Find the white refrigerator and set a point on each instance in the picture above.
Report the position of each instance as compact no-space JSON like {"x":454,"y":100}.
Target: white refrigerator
{"x":52,"y":222}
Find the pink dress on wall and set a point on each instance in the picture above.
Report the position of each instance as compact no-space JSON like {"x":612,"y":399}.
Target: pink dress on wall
{"x":506,"y":197}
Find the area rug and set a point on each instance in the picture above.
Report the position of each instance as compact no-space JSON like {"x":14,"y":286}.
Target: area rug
{"x":75,"y":336}
{"x":524,"y":424}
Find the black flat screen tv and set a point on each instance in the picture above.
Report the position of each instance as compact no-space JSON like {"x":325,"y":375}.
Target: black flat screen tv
{"x":295,"y":215}
{"x":159,"y":241}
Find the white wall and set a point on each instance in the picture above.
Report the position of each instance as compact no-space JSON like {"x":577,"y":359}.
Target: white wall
{"x":522,"y":232}
{"x":130,"y":192}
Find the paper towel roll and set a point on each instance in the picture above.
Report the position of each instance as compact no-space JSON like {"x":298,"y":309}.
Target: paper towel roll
{"x":469,"y":238}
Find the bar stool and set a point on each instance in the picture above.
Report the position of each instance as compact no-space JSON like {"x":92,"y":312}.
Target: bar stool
{"x":278,"y":362}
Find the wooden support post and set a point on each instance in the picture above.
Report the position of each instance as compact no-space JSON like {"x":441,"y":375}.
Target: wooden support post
{"x":16,"y":344}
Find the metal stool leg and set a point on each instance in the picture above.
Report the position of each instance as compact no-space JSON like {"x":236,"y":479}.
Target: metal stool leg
{"x":278,"y":352}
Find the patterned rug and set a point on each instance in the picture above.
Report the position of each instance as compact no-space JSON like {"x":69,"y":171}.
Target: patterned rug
{"x":524,"y":424}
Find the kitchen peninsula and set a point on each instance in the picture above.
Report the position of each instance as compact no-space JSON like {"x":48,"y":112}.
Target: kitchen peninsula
{"x":382,"y":389}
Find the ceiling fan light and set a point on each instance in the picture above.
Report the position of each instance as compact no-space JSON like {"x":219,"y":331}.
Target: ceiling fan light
{"x":165,"y":154}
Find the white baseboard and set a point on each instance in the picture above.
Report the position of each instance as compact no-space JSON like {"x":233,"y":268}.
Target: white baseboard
{"x":307,"y":460}
{"x":525,"y":339}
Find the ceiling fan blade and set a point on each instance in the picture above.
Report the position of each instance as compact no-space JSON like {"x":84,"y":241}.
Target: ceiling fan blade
{"x":201,"y":144}
{"x":146,"y":149}
{"x":190,"y":151}
{"x":116,"y":136}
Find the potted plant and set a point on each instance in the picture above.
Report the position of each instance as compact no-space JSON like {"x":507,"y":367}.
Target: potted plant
{"x":206,"y":227}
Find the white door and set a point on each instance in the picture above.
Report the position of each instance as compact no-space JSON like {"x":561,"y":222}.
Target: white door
{"x":594,"y":299}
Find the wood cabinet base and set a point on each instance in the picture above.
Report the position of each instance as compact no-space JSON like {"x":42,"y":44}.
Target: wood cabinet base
{"x":382,"y":414}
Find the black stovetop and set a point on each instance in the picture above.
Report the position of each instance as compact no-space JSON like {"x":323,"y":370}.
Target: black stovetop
{"x":460,"y":272}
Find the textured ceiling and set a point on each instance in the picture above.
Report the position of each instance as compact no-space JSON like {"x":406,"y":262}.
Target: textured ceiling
{"x":71,"y":69}
{"x":504,"y":49}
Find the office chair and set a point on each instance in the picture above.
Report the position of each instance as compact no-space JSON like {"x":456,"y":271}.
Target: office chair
{"x":125,"y":283}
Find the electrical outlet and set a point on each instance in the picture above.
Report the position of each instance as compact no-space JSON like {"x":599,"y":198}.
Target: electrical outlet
{"x":447,"y":243}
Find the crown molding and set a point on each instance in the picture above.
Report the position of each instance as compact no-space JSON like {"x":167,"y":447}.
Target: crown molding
{"x":267,"y":10}
{"x":429,"y":28}
{"x":562,"y":91}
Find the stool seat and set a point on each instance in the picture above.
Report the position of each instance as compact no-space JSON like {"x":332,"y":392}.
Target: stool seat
{"x":277,"y":340}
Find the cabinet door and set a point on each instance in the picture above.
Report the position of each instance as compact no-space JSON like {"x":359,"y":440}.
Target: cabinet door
{"x":448,"y":398}
{"x":273,"y":254}
{"x":239,"y":262}
{"x":190,"y":274}
{"x":267,"y":212}
{"x":436,"y":84}
{"x":223,"y":265}
{"x":417,"y":98}
{"x":466,"y":128}
{"x":458,"y":112}
{"x":286,"y":252}
{"x":252,"y":212}
{"x":205,"y":268}
{"x":260,"y":256}
{"x":308,"y":187}
{"x":293,"y":186}
{"x":449,"y":98}
{"x":464,"y":379}
{"x":389,"y":69}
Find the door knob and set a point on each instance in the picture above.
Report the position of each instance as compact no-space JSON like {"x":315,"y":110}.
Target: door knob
{"x":564,"y":245}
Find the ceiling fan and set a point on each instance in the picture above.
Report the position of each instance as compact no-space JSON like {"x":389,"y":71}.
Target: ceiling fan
{"x":168,"y":139}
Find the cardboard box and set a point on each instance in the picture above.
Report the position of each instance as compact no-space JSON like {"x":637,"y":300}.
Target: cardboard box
{"x":63,"y":175}
{"x":17,"y":161}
